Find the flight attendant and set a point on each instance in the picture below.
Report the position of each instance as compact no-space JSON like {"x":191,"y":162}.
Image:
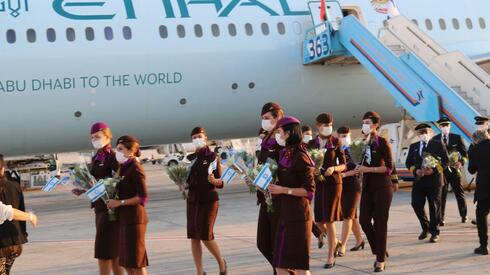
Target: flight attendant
{"x":293,"y":194}
{"x":328,"y":191}
{"x":203,"y":200}
{"x":104,"y":165}
{"x":351,"y":195}
{"x":479,"y":163}
{"x":377,"y":188}
{"x":307,"y":133}
{"x":452,"y":175}
{"x":429,"y":181}
{"x":132,"y":197}
{"x":307,"y":137}
{"x":266,"y":226}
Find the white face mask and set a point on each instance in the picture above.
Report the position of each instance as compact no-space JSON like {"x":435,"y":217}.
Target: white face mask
{"x":307,"y":138}
{"x":279,"y":140}
{"x":98,"y":144}
{"x":366,"y":129}
{"x":481,"y":127}
{"x":199,"y":143}
{"x":120,"y":157}
{"x":424,"y":138}
{"x":327,"y":131}
{"x":267,"y":125}
{"x":445,"y":130}
{"x":346,"y":141}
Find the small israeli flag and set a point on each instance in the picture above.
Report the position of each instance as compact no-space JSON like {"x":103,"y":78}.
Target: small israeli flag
{"x":65,"y":180}
{"x":213,"y":166}
{"x":264,"y":178}
{"x":51,"y":184}
{"x":229,"y":175}
{"x":96,"y":192}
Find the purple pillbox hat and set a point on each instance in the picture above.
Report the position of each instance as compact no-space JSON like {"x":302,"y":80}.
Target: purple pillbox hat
{"x":98,"y":126}
{"x":286,"y":121}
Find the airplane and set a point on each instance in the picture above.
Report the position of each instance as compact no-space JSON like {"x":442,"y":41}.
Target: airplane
{"x":157,"y":68}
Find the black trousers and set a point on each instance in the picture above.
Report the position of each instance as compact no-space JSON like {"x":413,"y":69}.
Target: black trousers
{"x":430,"y":191}
{"x":482,"y":210}
{"x":454,"y":179}
{"x":373,"y":217}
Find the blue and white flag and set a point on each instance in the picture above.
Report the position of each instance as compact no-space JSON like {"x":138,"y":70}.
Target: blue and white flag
{"x":213,"y":166}
{"x":229,"y":175}
{"x":51,"y":184}
{"x":65,"y":180}
{"x":264,"y":178}
{"x":96,"y":192}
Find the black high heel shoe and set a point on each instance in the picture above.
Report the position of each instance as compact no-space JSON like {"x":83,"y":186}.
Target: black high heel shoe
{"x":226,"y":269}
{"x":358,"y":247}
{"x":329,"y":266}
{"x":338,"y":250}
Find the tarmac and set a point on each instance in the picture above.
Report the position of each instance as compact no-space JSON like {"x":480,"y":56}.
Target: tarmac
{"x":63,"y":242}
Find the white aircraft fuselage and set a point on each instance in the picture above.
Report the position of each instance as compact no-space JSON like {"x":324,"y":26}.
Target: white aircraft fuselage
{"x":157,"y":68}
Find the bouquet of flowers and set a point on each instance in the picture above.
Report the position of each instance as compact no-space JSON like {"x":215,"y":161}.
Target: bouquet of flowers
{"x":317,"y":155}
{"x":81,"y":178}
{"x":454,"y":158}
{"x":111,"y":193}
{"x":179,"y":174}
{"x":429,"y":161}
{"x":357,"y":150}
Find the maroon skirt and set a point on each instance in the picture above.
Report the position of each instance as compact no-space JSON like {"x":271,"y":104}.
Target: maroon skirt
{"x":328,"y":206}
{"x":292,"y":245}
{"x":200,"y":220}
{"x":351,"y":194}
{"x":106,"y":237}
{"x":132,"y":252}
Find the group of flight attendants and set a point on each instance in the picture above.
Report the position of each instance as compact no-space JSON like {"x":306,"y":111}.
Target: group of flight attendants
{"x":284,"y":236}
{"x":121,"y":244}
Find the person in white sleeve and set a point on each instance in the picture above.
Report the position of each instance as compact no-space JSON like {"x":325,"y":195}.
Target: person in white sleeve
{"x":8,"y":213}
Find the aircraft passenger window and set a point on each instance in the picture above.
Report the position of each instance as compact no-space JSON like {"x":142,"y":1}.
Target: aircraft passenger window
{"x":89,"y":34}
{"x":249,"y":29}
{"x":127,"y":34}
{"x":215,"y":30}
{"x":428,"y":24}
{"x":11,"y":36}
{"x":482,"y":23}
{"x":163,"y":31}
{"x":180,"y":31}
{"x":198,"y":30}
{"x":415,"y":22}
{"x":455,"y":24}
{"x":442,"y":24}
{"x":70,"y":34}
{"x":31,"y":35}
{"x":108,"y":33}
{"x":281,"y":29}
{"x":232,"y":29}
{"x":51,"y":35}
{"x":265,"y":28}
{"x":469,"y":24}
